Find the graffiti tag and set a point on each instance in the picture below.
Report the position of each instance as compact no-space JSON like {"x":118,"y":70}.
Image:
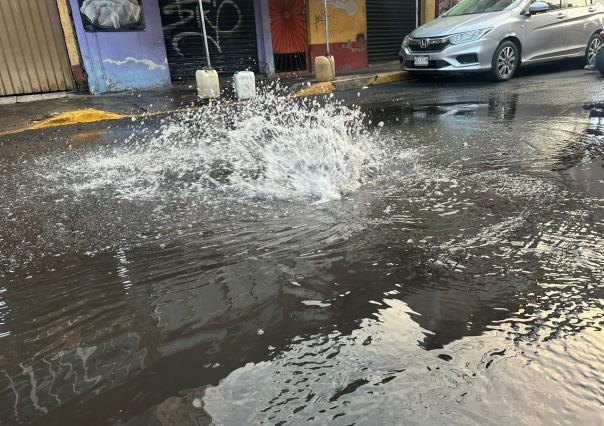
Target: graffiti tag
{"x":217,"y":28}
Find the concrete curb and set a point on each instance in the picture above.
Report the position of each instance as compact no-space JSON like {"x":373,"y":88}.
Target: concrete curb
{"x":91,"y":115}
{"x":351,"y":83}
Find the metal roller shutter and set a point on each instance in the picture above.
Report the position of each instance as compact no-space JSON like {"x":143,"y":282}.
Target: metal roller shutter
{"x":388,"y":21}
{"x":33,"y":55}
{"x":231,"y":32}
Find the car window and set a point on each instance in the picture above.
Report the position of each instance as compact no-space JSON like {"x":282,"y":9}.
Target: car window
{"x":469,"y":7}
{"x":579,"y":3}
{"x":554,"y":4}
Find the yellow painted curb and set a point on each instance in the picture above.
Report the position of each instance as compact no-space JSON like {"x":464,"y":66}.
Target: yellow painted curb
{"x":76,"y":117}
{"x":391,"y":77}
{"x":315,"y":89}
{"x":69,"y":118}
{"x":352,"y":83}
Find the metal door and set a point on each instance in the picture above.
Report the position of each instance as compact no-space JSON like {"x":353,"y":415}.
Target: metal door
{"x":581,"y":24}
{"x":546,"y":33}
{"x":289,"y":35}
{"x":33,"y":55}
{"x":388,"y":21}
{"x":231,"y":29}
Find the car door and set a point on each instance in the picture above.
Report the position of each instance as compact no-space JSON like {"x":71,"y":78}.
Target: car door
{"x":546,"y":33}
{"x":580,"y":26}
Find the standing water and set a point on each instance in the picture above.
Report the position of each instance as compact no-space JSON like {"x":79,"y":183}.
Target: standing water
{"x":289,"y":262}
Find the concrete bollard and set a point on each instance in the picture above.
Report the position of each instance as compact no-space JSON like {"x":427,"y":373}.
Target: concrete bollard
{"x":207,"y":84}
{"x":325,"y":68}
{"x":244,"y":83}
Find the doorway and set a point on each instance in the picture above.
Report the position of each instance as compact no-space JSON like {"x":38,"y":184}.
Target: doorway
{"x":388,"y":21}
{"x":289,"y":34}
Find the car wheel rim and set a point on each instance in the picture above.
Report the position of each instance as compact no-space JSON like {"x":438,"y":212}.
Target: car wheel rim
{"x":506,"y":62}
{"x":594,"y":46}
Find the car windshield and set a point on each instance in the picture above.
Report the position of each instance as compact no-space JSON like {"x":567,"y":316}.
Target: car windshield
{"x":469,"y":7}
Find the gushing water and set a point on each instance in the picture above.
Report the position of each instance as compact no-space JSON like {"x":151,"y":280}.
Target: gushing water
{"x":272,"y":147}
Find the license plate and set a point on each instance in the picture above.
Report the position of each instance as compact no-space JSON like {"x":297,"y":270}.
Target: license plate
{"x":421,"y":61}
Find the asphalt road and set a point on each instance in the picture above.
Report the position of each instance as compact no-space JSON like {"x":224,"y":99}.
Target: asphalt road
{"x":555,"y":83}
{"x":435,"y":260}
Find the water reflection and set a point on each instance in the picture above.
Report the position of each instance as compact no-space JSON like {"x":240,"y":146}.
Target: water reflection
{"x":500,"y":107}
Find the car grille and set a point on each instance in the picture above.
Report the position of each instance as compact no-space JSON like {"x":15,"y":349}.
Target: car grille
{"x":468,"y":58}
{"x":428,"y":44}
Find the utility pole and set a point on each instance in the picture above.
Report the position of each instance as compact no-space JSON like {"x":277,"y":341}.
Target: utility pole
{"x":326,"y":27}
{"x":205,"y":35}
{"x":208,"y":85}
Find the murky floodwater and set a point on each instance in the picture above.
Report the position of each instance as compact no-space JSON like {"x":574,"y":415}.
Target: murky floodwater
{"x":286,"y":264}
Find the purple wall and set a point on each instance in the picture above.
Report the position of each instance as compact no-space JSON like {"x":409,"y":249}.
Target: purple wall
{"x":116,"y":61}
{"x":264,"y":38}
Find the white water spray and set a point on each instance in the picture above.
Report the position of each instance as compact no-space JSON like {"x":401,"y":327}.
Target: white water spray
{"x":272,"y":147}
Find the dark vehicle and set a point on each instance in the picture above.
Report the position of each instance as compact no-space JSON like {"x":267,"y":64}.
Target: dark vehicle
{"x":599,"y":59}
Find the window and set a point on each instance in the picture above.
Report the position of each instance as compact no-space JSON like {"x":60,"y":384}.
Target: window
{"x":555,"y":4}
{"x":470,"y":7}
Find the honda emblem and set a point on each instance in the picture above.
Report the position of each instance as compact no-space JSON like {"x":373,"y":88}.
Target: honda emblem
{"x":423,"y":43}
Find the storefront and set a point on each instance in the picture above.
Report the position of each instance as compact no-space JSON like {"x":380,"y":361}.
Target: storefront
{"x":121,"y":44}
{"x":231,"y":30}
{"x":388,"y":21}
{"x":137,"y":44}
{"x":361,"y":32}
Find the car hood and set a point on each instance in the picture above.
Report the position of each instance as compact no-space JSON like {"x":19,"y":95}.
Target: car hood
{"x":447,"y":25}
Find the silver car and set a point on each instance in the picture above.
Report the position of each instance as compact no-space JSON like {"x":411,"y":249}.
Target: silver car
{"x":499,"y":35}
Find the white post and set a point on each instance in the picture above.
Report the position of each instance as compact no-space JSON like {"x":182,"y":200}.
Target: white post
{"x":326,"y":27}
{"x":205,"y":35}
{"x":325,"y":67}
{"x":208,"y":85}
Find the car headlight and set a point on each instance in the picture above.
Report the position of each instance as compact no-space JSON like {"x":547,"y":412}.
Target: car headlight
{"x":468,"y":36}
{"x":405,"y":41}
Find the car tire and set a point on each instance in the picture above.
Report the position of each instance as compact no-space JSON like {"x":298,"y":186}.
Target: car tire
{"x":506,"y":60}
{"x":593,"y":46}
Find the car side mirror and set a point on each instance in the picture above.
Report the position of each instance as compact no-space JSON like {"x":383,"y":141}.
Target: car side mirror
{"x":538,"y":7}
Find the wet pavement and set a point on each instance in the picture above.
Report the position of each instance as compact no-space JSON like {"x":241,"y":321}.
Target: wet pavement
{"x":434,"y":256}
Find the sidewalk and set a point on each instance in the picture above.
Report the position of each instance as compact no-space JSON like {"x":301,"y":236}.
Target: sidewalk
{"x":78,"y":108}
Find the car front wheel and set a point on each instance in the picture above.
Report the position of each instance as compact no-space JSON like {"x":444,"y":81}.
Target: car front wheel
{"x":593,"y":46}
{"x":505,"y":61}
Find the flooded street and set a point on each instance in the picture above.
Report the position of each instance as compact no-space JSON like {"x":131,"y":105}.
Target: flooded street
{"x":426,"y":257}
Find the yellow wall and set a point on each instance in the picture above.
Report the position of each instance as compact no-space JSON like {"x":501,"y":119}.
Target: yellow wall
{"x":70,"y":39}
{"x":428,"y":11}
{"x":347,"y":21}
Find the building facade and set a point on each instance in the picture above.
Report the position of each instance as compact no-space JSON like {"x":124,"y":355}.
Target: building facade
{"x":115,"y":45}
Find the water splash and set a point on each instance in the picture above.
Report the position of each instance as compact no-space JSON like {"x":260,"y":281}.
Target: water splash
{"x":270,"y":148}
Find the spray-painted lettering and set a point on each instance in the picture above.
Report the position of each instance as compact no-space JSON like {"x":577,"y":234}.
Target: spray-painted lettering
{"x":215,"y":12}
